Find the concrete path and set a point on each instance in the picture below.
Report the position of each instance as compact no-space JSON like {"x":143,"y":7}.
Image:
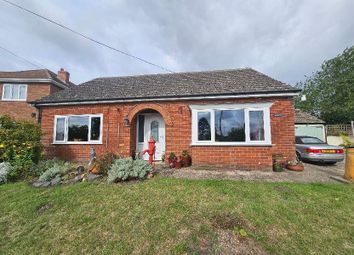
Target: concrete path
{"x":311,"y":174}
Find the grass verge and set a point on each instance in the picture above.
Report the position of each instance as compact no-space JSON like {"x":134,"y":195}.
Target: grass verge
{"x":174,"y":216}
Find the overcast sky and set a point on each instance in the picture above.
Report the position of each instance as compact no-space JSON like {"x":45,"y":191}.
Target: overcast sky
{"x":284,"y":39}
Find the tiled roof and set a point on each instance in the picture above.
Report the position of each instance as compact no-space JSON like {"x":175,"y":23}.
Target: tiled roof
{"x":34,"y":74}
{"x":306,"y":118}
{"x":172,"y":85}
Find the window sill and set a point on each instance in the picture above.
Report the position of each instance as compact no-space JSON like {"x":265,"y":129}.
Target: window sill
{"x":232,"y":144}
{"x":14,"y":100}
{"x":77,"y":143}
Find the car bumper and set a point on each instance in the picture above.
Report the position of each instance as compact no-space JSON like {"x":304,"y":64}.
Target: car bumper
{"x":322,"y":157}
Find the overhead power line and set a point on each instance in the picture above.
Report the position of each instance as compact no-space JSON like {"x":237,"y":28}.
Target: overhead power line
{"x":20,"y":57}
{"x":87,"y":37}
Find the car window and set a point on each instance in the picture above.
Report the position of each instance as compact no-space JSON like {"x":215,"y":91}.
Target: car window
{"x":298,"y":140}
{"x":311,"y":140}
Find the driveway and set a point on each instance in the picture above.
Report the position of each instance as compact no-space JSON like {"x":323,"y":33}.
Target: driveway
{"x":312,"y":174}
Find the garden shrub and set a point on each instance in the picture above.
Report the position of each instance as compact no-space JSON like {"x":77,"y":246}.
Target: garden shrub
{"x":127,"y":168}
{"x":19,"y":145}
{"x":5,"y":169}
{"x":60,"y":168}
{"x":38,"y":169}
{"x":105,"y":161}
{"x":140,"y":169}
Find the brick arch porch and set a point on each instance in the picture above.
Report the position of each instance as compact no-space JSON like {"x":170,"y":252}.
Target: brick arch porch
{"x":151,"y":106}
{"x":133,"y":124}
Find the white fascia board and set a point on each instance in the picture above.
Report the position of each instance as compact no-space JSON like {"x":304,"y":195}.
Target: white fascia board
{"x":230,"y":106}
{"x":289,"y":94}
{"x":19,"y":80}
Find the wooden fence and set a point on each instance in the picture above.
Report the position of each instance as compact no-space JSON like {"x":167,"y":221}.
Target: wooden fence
{"x":338,"y":129}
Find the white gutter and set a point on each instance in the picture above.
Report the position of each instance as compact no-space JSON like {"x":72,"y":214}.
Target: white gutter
{"x":27,"y":80}
{"x":285,"y":94}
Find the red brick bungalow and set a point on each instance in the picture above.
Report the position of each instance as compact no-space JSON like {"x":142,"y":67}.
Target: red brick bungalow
{"x":231,"y":117}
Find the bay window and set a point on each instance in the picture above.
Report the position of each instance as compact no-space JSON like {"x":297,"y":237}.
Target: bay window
{"x":231,"y":124}
{"x":75,"y":129}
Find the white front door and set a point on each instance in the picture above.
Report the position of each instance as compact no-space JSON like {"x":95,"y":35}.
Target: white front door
{"x":150,"y":124}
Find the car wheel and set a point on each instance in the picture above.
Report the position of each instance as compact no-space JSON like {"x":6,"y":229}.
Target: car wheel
{"x":298,"y":156}
{"x":331,"y":163}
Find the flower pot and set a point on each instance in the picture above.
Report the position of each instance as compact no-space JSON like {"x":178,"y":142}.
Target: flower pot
{"x":178,"y":164}
{"x":298,"y":167}
{"x":171,"y":162}
{"x":186,"y":161}
{"x":277,"y":167}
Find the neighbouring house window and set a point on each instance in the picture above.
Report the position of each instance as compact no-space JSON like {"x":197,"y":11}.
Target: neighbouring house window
{"x":204,"y":131}
{"x":78,"y":129}
{"x":231,"y":124}
{"x":141,"y":123}
{"x":155,"y":130}
{"x":16,"y":92}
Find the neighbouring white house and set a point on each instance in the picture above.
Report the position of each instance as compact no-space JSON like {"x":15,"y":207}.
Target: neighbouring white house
{"x":307,"y":124}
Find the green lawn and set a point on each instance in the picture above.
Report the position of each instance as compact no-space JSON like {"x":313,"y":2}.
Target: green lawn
{"x":171,"y":216}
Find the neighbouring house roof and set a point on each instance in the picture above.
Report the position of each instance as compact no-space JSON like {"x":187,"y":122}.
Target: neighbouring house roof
{"x":237,"y":82}
{"x":39,"y":75}
{"x":306,"y":118}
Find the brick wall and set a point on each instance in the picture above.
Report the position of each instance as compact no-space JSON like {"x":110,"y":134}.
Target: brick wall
{"x":120,"y":139}
{"x":22,"y":110}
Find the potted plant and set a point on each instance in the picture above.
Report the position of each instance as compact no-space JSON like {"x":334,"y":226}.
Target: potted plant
{"x":178,"y":163}
{"x":186,"y":158}
{"x":277,"y":167}
{"x":279,"y":162}
{"x":295,"y":165}
{"x":172,"y":160}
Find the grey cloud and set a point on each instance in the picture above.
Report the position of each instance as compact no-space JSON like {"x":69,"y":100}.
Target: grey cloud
{"x":285,"y":39}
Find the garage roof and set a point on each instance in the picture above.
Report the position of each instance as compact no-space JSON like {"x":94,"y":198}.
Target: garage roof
{"x":306,"y":118}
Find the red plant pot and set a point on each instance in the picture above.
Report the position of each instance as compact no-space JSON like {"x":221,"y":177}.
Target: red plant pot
{"x":186,"y":161}
{"x":298,"y":167}
{"x":172,"y":162}
{"x":178,"y":164}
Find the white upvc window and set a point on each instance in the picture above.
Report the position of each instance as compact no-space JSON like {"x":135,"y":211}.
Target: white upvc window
{"x":78,"y":129}
{"x":231,"y":124}
{"x":14,"y":92}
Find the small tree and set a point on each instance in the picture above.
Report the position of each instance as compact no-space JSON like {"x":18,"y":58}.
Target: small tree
{"x":330,"y":91}
{"x":20,"y":145}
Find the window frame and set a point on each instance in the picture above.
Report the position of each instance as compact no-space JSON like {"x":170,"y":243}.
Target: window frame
{"x":265,"y":107}
{"x":138,"y":129}
{"x":195,"y":126}
{"x":11,"y":85}
{"x":66,"y":129}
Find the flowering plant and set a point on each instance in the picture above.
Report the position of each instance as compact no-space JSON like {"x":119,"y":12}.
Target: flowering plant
{"x":20,"y":145}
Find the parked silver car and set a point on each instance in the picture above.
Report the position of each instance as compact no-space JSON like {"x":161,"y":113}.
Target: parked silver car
{"x":312,"y":149}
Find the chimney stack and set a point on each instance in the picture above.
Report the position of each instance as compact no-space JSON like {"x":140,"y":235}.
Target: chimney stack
{"x":64,"y":75}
